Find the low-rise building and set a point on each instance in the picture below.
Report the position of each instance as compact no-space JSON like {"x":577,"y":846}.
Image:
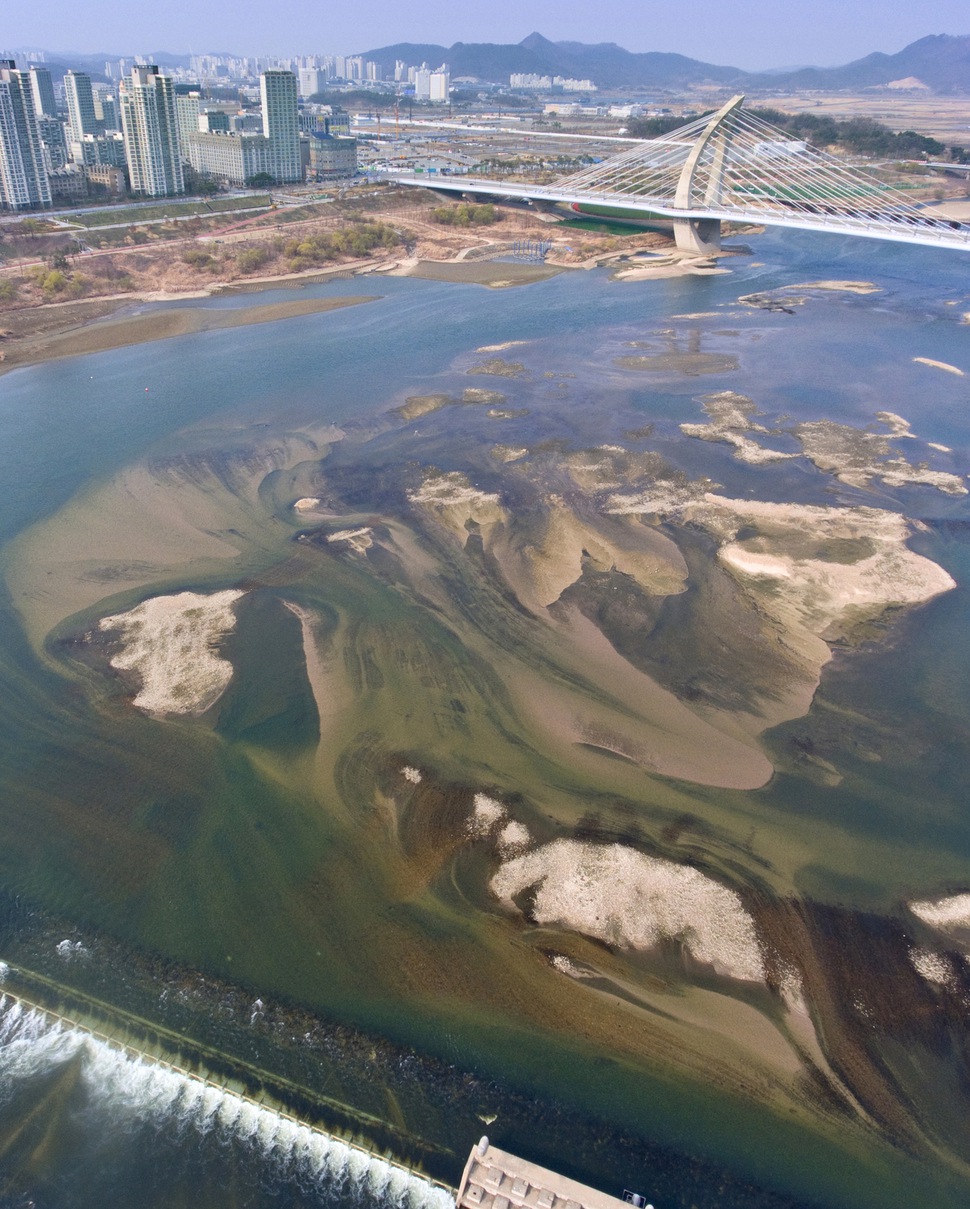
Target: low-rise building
{"x":104,"y":177}
{"x":228,"y":156}
{"x":330,"y":157}
{"x":68,"y":184}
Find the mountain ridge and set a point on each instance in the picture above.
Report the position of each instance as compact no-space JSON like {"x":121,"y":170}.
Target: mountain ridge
{"x":940,"y":61}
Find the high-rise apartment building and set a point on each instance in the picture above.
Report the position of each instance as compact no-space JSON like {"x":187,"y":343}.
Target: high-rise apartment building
{"x":81,"y":116}
{"x":281,"y":125}
{"x":106,"y":108}
{"x":312,"y":81}
{"x":42,"y":88}
{"x":23,"y":177}
{"x":147,"y":102}
{"x":52,"y":141}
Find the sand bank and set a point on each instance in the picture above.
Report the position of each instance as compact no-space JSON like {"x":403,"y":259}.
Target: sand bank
{"x":631,"y":900}
{"x":732,"y":415}
{"x":170,"y":642}
{"x":950,"y":369}
{"x":497,"y":275}
{"x":667,"y":265}
{"x":99,"y":337}
{"x":948,"y":914}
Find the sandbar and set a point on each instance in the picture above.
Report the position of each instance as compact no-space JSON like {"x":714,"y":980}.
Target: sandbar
{"x":163,"y":324}
{"x":480,"y":272}
{"x":170,"y":643}
{"x":950,"y":369}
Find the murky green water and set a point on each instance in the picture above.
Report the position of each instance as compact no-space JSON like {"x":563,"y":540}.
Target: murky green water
{"x":264,"y":846}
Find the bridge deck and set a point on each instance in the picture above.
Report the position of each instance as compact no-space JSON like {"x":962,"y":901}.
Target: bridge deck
{"x":898,"y":231}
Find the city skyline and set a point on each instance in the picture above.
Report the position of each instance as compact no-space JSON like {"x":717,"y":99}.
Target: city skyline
{"x":752,"y":35}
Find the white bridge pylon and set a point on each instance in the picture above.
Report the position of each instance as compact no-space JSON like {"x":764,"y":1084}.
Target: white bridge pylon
{"x":731,"y":166}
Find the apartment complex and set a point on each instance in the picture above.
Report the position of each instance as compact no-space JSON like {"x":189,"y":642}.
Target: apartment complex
{"x":237,"y":156}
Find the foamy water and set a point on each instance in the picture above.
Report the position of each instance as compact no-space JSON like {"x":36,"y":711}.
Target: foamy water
{"x":128,"y":1092}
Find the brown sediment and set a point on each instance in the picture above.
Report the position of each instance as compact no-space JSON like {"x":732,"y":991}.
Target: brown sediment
{"x":75,"y":333}
{"x":153,"y":524}
{"x":867,"y":1000}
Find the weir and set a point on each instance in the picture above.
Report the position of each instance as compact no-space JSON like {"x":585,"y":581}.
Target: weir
{"x":153,"y":1080}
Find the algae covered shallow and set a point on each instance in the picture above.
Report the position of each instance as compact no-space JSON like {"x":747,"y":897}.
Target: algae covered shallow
{"x":480,"y":657}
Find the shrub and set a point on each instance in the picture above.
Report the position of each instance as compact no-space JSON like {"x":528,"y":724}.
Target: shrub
{"x":250,"y":259}
{"x":53,"y":282}
{"x":466,"y":214}
{"x":197,"y":258}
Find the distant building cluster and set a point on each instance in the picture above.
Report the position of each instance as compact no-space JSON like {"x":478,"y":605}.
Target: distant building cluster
{"x":536,"y":83}
{"x":147,"y":133}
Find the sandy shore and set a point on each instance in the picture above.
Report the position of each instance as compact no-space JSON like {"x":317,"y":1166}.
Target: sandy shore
{"x":82,"y":336}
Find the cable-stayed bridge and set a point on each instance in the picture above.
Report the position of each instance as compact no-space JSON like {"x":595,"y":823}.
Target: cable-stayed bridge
{"x":730,"y":166}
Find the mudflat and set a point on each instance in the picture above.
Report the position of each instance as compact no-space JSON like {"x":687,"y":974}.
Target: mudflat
{"x":75,"y":332}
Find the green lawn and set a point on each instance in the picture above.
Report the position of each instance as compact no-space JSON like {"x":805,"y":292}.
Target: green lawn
{"x":170,"y":209}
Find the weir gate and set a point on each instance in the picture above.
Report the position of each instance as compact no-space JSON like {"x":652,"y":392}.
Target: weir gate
{"x":172,"y":1069}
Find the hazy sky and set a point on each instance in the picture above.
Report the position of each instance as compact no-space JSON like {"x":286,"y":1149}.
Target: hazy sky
{"x":744,"y":33}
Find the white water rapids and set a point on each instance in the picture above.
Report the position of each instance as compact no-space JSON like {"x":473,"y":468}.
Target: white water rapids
{"x":129,"y":1092}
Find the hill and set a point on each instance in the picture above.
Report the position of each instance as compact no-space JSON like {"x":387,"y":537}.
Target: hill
{"x":605,"y":63}
{"x":940,"y":61}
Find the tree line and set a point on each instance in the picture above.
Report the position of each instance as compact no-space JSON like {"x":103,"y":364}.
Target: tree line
{"x":860,"y":136}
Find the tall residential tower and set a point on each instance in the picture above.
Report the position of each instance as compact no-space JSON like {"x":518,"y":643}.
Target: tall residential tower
{"x":148,"y":122}
{"x":281,"y":125}
{"x":23,"y":177}
{"x":81,"y":117}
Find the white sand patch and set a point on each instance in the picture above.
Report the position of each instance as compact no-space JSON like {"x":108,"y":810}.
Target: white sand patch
{"x":454,"y":501}
{"x":896,"y":424}
{"x":411,"y":774}
{"x":486,"y":815}
{"x":449,"y":490}
{"x":634,"y":901}
{"x":170,"y":643}
{"x":898,"y":472}
{"x":500,"y":348}
{"x":745,"y":450}
{"x":845,"y":287}
{"x":513,"y":838}
{"x":941,"y":448}
{"x":309,"y":503}
{"x":934,"y":967}
{"x":560,"y":962}
{"x":358,"y":539}
{"x":944,"y":365}
{"x":756,"y":564}
{"x":947,"y":914}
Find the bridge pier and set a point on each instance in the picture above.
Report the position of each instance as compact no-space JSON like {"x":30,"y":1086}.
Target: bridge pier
{"x":699,"y":235}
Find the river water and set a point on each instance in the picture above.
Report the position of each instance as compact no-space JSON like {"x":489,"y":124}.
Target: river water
{"x":201,"y":848}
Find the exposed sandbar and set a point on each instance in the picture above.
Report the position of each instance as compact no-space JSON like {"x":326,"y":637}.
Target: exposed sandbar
{"x":631,"y":900}
{"x":944,"y":365}
{"x":161,"y":324}
{"x":480,"y":272}
{"x":170,"y":643}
